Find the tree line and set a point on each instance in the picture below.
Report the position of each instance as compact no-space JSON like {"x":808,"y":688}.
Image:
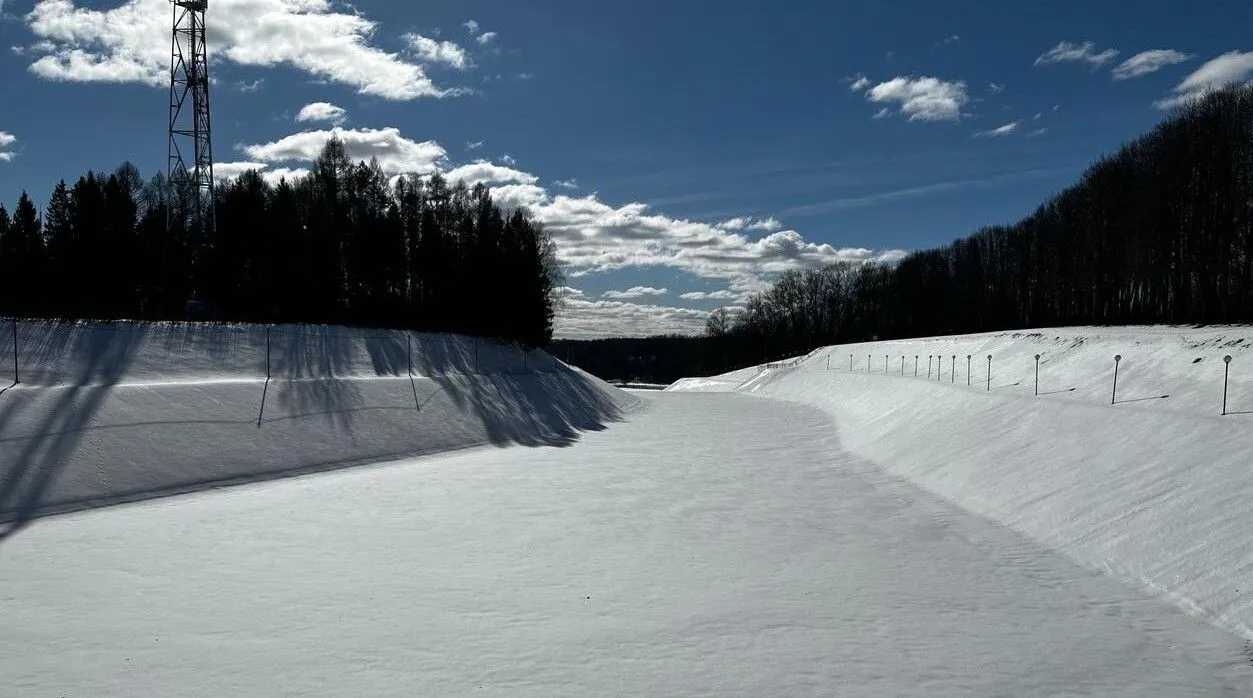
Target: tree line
{"x":342,"y":245}
{"x":1159,"y":232}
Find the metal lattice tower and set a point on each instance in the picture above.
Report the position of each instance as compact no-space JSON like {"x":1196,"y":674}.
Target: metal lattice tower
{"x":190,"y":133}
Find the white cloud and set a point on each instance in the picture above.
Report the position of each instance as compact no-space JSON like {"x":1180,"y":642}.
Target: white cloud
{"x":568,"y":292}
{"x":995,"y":88}
{"x":593,"y":319}
{"x":471,"y":26}
{"x":860,"y":83}
{"x":635,"y":292}
{"x":571,"y":183}
{"x":484,"y":172}
{"x":954,"y":39}
{"x":485,"y":38}
{"x":130,"y":43}
{"x":508,"y":159}
{"x":6,"y":140}
{"x":748,"y":223}
{"x":396,"y":154}
{"x":1216,"y":73}
{"x":1037,"y":132}
{"x":223,"y":171}
{"x":923,"y":99}
{"x":250,"y":85}
{"x":882,"y":113}
{"x":1068,"y":52}
{"x":322,"y":111}
{"x":702,"y":295}
{"x":432,"y":51}
{"x":526,"y":76}
{"x":1147,"y":62}
{"x":1037,"y":116}
{"x":474,"y":145}
{"x":998,"y":131}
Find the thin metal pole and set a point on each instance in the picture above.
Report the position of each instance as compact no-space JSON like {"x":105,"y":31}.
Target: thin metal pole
{"x":902,"y":365}
{"x":1037,"y":375}
{"x":952,"y":371}
{"x":1114,"y":395}
{"x":885,"y":364}
{"x":929,"y":366}
{"x":915,"y":365}
{"x":1226,"y":371}
{"x":989,"y":373}
{"x":867,"y":363}
{"x":968,"y":370}
{"x":850,"y":363}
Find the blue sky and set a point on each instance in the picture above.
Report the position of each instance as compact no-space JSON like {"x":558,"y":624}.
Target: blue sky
{"x":673,"y":148}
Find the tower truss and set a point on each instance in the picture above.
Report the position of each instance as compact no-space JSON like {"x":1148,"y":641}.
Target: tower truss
{"x":190,"y":165}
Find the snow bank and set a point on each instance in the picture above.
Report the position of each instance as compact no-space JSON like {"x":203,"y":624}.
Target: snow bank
{"x":1154,"y":489}
{"x":113,"y":412}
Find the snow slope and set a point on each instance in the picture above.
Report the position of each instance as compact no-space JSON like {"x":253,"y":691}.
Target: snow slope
{"x":1154,"y":489}
{"x":709,"y":545}
{"x":112,"y":412}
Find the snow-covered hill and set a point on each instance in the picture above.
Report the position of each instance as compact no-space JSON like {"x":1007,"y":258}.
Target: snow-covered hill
{"x":1154,"y":489}
{"x":105,"y":413}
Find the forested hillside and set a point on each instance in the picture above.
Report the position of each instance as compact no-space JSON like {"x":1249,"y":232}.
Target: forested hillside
{"x":341,"y":245}
{"x":1160,"y":231}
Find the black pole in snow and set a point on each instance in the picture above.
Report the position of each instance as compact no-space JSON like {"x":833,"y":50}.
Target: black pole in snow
{"x":1226,"y":371}
{"x":1037,"y":375}
{"x":1114,"y":395}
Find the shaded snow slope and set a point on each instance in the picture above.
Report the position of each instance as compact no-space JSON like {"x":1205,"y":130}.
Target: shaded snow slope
{"x":678,"y":553}
{"x":112,"y":412}
{"x":1153,"y":489}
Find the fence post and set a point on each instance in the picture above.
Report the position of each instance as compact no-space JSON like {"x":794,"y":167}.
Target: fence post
{"x":929,"y":366}
{"x":1037,"y":375}
{"x":850,"y":363}
{"x":915,"y":365}
{"x":989,"y":373}
{"x":15,"y":376}
{"x":885,"y":364}
{"x":1114,"y":395}
{"x":1226,"y":371}
{"x":867,"y":363}
{"x":828,"y":362}
{"x":968,"y":370}
{"x":952,"y":371}
{"x":902,"y":365}
{"x":267,"y":352}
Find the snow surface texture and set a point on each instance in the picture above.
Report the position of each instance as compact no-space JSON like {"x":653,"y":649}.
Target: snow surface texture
{"x":112,"y":412}
{"x":710,"y":545}
{"x":1153,"y":490}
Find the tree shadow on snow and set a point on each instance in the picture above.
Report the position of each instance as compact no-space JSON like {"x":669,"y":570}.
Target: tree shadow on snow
{"x":516,"y":397}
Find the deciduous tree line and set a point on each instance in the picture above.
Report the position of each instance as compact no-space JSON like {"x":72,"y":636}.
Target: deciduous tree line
{"x":341,"y":245}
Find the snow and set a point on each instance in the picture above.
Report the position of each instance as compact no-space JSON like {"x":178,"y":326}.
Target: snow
{"x":707,"y":544}
{"x":106,"y":413}
{"x":1153,"y":490}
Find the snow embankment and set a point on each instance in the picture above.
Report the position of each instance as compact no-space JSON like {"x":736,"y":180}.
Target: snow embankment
{"x":1154,"y":488}
{"x":105,"y":413}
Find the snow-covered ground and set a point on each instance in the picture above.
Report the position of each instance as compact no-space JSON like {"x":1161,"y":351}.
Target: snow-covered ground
{"x":710,"y":544}
{"x":114,"y":412}
{"x":1154,"y":490}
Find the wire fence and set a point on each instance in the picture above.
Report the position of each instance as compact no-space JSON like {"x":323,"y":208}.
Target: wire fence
{"x":49,"y":352}
{"x":936,"y":364}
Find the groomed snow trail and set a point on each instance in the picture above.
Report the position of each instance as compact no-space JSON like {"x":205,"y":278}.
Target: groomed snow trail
{"x":712,"y":544}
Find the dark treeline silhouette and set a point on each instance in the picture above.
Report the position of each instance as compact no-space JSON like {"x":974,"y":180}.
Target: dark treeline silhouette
{"x":341,"y":245}
{"x":1159,"y":232}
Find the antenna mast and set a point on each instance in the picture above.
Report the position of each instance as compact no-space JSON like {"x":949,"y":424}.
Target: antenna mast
{"x":190,"y":133}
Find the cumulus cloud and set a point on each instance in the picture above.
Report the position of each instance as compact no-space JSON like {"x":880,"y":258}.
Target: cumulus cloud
{"x":1147,"y":62}
{"x":1066,"y":52}
{"x":471,"y":26}
{"x":571,"y":183}
{"x":322,"y":111}
{"x":998,"y":131}
{"x":484,"y":172}
{"x":922,"y":99}
{"x":432,"y":51}
{"x":224,"y":171}
{"x":485,"y":38}
{"x":748,"y":223}
{"x":594,"y":319}
{"x":474,"y":145}
{"x":396,"y":154}
{"x":130,"y":43}
{"x":702,"y":295}
{"x":860,"y":83}
{"x":6,"y":140}
{"x":635,"y":292}
{"x":1233,"y":67}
